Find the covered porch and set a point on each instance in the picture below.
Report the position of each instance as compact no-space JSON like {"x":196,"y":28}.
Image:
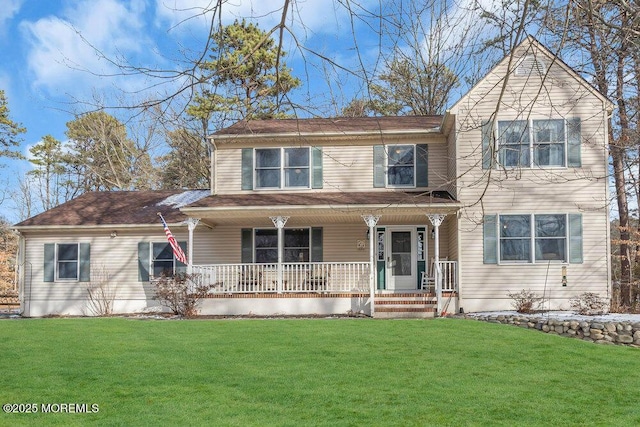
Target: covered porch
{"x":359,"y":250}
{"x":323,"y":277}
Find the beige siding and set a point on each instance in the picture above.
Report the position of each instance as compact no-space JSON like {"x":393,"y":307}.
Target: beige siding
{"x":346,"y":167}
{"x":117,"y":257}
{"x":555,"y":190}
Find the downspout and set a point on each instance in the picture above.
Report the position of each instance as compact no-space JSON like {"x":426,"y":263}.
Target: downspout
{"x":20,"y":266}
{"x":605,"y":119}
{"x":213,"y":159}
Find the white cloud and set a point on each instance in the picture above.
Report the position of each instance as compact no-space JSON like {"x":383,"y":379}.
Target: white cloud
{"x":8,"y":10}
{"x":306,"y":17}
{"x":71,"y":50}
{"x":185,"y":15}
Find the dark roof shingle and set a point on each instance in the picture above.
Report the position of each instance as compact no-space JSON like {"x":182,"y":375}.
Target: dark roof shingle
{"x":117,"y":207}
{"x":331,"y":125}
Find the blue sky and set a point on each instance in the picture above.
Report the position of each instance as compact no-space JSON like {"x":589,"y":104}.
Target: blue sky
{"x":56,"y":55}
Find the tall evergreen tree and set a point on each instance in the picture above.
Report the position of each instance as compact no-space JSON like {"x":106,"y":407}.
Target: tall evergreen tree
{"x":245,"y":77}
{"x":101,"y":155}
{"x":187,"y":164}
{"x":9,"y":130}
{"x":49,"y":171}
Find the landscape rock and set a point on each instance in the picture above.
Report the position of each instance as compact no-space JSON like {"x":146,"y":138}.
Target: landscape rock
{"x":590,"y":330}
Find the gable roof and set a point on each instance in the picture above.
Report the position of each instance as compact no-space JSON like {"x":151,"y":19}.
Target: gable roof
{"x":530,"y":43}
{"x":117,"y":208}
{"x":331,"y":126}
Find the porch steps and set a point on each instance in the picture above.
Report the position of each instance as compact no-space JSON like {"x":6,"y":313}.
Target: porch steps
{"x":405,"y":305}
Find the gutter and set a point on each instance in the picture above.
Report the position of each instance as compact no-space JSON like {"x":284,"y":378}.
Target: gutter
{"x":323,"y":134}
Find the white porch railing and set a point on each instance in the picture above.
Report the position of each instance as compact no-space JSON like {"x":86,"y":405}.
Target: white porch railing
{"x":449,"y":274}
{"x":296,"y":277}
{"x":300,"y":277}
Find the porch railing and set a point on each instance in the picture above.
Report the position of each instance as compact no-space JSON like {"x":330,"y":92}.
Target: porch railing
{"x":449,"y":274}
{"x":296,"y":277}
{"x":300,"y":277}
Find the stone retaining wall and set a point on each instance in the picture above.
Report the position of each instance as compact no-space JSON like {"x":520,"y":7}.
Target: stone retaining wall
{"x":595,"y":330}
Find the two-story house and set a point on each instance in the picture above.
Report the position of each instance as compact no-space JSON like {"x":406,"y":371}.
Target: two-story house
{"x":389,"y":216}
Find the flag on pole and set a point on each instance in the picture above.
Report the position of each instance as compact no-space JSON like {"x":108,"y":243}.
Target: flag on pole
{"x":177,"y":250}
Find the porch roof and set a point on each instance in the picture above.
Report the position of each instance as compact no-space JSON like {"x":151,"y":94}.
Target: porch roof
{"x":321,"y":207}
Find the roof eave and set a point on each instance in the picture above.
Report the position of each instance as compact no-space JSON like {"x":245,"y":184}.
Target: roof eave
{"x":273,"y":135}
{"x":352,"y":207}
{"x":21,"y":228}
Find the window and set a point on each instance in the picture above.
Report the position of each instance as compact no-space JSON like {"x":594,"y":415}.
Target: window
{"x":266,"y":242}
{"x":550,"y":237}
{"x":268,"y":168}
{"x":514,"y":143}
{"x":296,"y":245}
{"x":515,"y":238}
{"x":548,"y":143}
{"x":274,"y":166}
{"x":527,"y":143}
{"x":67,"y":262}
{"x":545,"y":235}
{"x":401,"y":166}
{"x":156,"y":259}
{"x":163,"y":262}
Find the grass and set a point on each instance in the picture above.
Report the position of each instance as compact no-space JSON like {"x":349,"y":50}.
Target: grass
{"x":313,"y":372}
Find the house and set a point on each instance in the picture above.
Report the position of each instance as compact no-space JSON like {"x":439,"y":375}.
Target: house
{"x":389,"y":216}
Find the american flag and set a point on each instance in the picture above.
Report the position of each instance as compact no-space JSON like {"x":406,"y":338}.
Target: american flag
{"x":177,"y":250}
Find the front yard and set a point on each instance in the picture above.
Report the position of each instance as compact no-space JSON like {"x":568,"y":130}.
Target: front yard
{"x":309,"y":372}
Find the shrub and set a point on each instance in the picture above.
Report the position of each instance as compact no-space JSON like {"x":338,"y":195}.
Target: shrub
{"x":588,"y":303}
{"x":101,"y":294}
{"x":526,"y":301}
{"x":180,"y":293}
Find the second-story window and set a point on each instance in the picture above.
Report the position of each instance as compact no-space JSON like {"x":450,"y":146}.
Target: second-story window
{"x":282,"y":168}
{"x":527,"y":143}
{"x":401,"y":166}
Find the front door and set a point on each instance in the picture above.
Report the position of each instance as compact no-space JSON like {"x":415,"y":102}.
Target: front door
{"x":401,"y":259}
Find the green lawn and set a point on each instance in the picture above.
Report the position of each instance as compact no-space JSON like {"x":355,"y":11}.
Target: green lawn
{"x":312,"y":372}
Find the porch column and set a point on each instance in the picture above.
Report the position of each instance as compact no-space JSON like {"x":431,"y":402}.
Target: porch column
{"x":372,"y":221}
{"x":279,"y":222}
{"x":192,"y":224}
{"x":436,"y":221}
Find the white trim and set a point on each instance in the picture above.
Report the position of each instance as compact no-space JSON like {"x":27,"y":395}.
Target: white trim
{"x":56,"y":260}
{"x":532,"y":144}
{"x":151,"y":257}
{"x":282,"y":168}
{"x":387,"y":149}
{"x":532,"y":241}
